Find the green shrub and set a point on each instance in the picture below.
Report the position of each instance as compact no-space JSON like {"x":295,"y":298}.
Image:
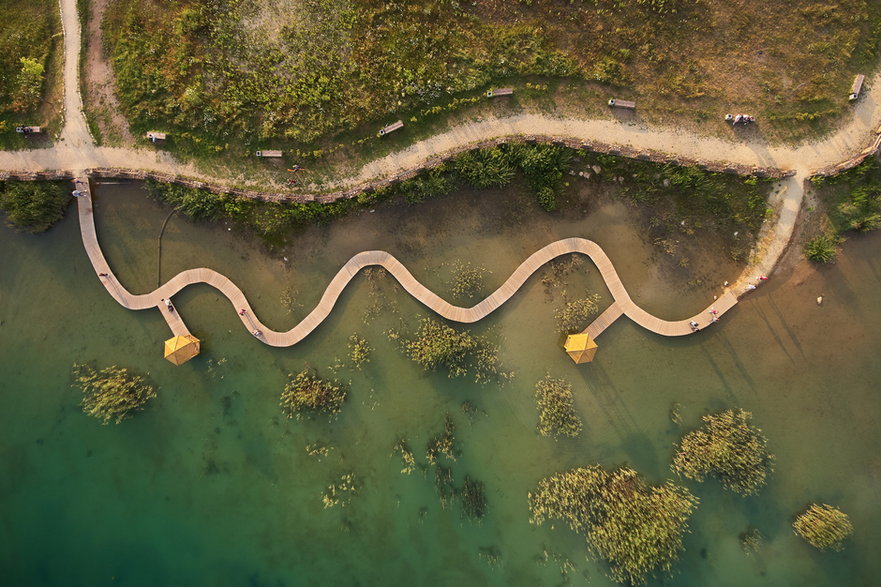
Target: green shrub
{"x":306,"y":394}
{"x":111,"y":393}
{"x":556,"y":408}
{"x":33,"y":206}
{"x":729,"y":448}
{"x":822,"y":248}
{"x":823,"y":526}
{"x":485,"y":168}
{"x":637,"y":529}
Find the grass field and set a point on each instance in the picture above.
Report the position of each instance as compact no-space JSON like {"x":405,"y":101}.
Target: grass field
{"x":30,"y":90}
{"x":304,"y":72}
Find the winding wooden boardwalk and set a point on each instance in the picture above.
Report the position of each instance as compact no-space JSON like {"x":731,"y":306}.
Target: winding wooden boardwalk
{"x":622,"y":303}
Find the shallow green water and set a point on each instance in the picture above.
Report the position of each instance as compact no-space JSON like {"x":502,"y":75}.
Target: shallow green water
{"x":211,"y":485}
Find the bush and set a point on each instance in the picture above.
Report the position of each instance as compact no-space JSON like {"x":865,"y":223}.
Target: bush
{"x":634,"y":527}
{"x":556,"y":408}
{"x":822,"y":248}
{"x":33,"y":206}
{"x":306,"y":394}
{"x":485,"y":168}
{"x":823,"y":526}
{"x":111,"y":393}
{"x":729,"y":448}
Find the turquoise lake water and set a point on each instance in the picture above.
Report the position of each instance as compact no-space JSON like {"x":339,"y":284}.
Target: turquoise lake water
{"x":211,"y":484}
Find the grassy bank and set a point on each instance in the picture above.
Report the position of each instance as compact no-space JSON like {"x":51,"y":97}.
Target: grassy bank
{"x":851,"y":205}
{"x":677,"y":201}
{"x":315,"y":75}
{"x":31,"y":60}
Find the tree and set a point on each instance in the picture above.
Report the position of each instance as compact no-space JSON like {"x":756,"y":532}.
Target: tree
{"x":823,"y":526}
{"x":111,"y":393}
{"x":307,"y":394}
{"x":634,"y":527}
{"x":28,"y":85}
{"x":33,"y":206}
{"x":729,"y":448}
{"x":556,"y":408}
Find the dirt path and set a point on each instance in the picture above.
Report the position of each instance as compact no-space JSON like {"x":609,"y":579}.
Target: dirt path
{"x":100,"y":83}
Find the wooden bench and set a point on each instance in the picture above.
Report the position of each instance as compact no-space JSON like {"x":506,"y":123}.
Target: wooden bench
{"x":269,"y":153}
{"x":390,"y":128}
{"x":857,"y":87}
{"x":499,"y":92}
{"x":26,"y":130}
{"x":154,"y":136}
{"x":616,"y":103}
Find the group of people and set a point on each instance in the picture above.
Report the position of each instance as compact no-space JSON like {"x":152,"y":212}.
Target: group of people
{"x":736,"y":119}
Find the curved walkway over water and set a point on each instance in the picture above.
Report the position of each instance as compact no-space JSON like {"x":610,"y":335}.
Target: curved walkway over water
{"x":622,"y":304}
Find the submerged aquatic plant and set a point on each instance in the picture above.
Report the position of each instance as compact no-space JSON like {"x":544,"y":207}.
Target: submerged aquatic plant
{"x":751,"y":540}
{"x":468,"y":280}
{"x":575,"y":315}
{"x":112,"y":393}
{"x":556,"y":408}
{"x":308,"y":394}
{"x":823,"y":526}
{"x":340,"y":492}
{"x":473,"y":498}
{"x":729,"y":448}
{"x":443,"y":443}
{"x":359,"y":351}
{"x":636,"y":528}
{"x":437,"y":345}
{"x":407,"y":459}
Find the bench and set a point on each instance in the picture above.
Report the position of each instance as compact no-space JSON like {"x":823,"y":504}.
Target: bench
{"x":390,"y":128}
{"x":499,"y":92}
{"x":857,"y":87}
{"x":616,"y":103}
{"x":269,"y":153}
{"x":154,"y":136}
{"x":26,"y":130}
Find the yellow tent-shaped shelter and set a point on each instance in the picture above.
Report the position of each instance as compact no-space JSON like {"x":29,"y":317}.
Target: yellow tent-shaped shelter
{"x":580,"y":347}
{"x":181,"y":349}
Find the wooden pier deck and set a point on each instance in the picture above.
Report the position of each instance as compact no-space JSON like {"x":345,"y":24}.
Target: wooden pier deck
{"x":622,"y":303}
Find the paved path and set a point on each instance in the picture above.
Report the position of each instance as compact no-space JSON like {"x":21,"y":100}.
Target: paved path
{"x":156,"y":299}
